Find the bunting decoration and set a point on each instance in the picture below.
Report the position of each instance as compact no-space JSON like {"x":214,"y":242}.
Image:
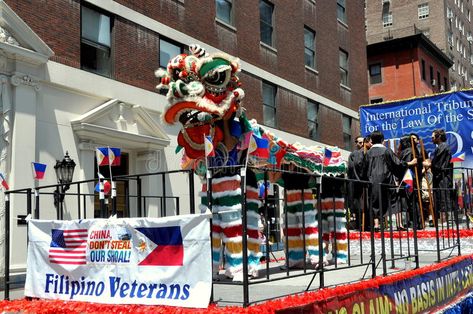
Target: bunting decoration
{"x":3,"y":181}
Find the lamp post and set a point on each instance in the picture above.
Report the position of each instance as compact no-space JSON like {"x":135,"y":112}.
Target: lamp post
{"x":64,"y":172}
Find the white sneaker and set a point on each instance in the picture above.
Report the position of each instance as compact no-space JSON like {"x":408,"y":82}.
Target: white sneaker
{"x":238,"y":277}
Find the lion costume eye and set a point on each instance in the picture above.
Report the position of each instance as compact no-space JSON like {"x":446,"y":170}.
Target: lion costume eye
{"x":216,"y":78}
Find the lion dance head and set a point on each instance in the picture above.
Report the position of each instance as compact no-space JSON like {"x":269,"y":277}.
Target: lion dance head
{"x":201,"y":89}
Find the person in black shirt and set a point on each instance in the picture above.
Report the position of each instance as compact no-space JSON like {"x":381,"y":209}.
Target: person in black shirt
{"x":442,"y":172}
{"x":381,"y":167}
{"x":354,"y":172}
{"x":406,"y":153}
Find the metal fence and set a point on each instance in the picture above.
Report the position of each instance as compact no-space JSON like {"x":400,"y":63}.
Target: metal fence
{"x":160,"y":199}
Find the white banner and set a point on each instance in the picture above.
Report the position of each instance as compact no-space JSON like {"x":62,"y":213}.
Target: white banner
{"x":121,"y":261}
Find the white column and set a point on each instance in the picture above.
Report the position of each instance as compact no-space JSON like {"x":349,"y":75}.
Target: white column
{"x":23,"y":148}
{"x":87,"y":163}
{"x":149,"y":162}
{"x":5,"y":154}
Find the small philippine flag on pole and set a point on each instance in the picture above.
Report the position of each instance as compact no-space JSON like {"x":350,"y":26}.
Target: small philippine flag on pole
{"x":4,"y":182}
{"x":458,"y":157}
{"x":39,"y":170}
{"x":408,"y":180}
{"x":209,"y":147}
{"x":108,"y":156}
{"x":102,"y":156}
{"x":114,"y":156}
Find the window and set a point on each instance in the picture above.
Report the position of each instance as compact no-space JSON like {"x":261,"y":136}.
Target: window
{"x":167,"y":50}
{"x":347,"y":132}
{"x":438,"y":80}
{"x":224,"y":11}
{"x":269,"y":104}
{"x":95,"y":48}
{"x":445,"y":86}
{"x":387,"y":19}
{"x":423,"y":69}
{"x":375,"y":73}
{"x":341,"y":11}
{"x":431,"y":72}
{"x":423,"y":11}
{"x":312,"y":114}
{"x":343,"y":61}
{"x":309,"y":47}
{"x":266,"y":10}
{"x":376,"y":100}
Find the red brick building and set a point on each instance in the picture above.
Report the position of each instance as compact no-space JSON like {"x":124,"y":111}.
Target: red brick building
{"x":77,"y":75}
{"x":307,"y":46}
{"x":406,"y":67}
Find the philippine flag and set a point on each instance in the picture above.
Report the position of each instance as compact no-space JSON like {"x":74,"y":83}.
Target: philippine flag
{"x":102,"y":156}
{"x":408,"y":180}
{"x":114,"y":156}
{"x":168,"y":249}
{"x":259,"y":147}
{"x":108,"y":156}
{"x":39,"y":170}
{"x":209,"y":147}
{"x":458,"y":157}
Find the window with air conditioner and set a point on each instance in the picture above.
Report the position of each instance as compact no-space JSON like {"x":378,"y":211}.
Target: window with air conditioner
{"x":423,"y":11}
{"x":387,"y":19}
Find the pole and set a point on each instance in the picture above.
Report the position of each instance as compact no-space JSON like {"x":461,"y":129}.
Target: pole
{"x":419,"y":197}
{"x":112,"y":183}
{"x":429,"y":187}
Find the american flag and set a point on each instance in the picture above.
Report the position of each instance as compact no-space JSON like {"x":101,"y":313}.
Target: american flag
{"x":68,"y":246}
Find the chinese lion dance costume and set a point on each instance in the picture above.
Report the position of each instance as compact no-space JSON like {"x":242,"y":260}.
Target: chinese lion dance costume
{"x":205,"y":96}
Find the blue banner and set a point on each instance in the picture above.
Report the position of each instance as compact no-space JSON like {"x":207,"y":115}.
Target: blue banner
{"x":451,"y":111}
{"x":426,"y":290}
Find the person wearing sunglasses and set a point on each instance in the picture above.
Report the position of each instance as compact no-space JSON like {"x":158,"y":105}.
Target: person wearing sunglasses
{"x":355,"y":189}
